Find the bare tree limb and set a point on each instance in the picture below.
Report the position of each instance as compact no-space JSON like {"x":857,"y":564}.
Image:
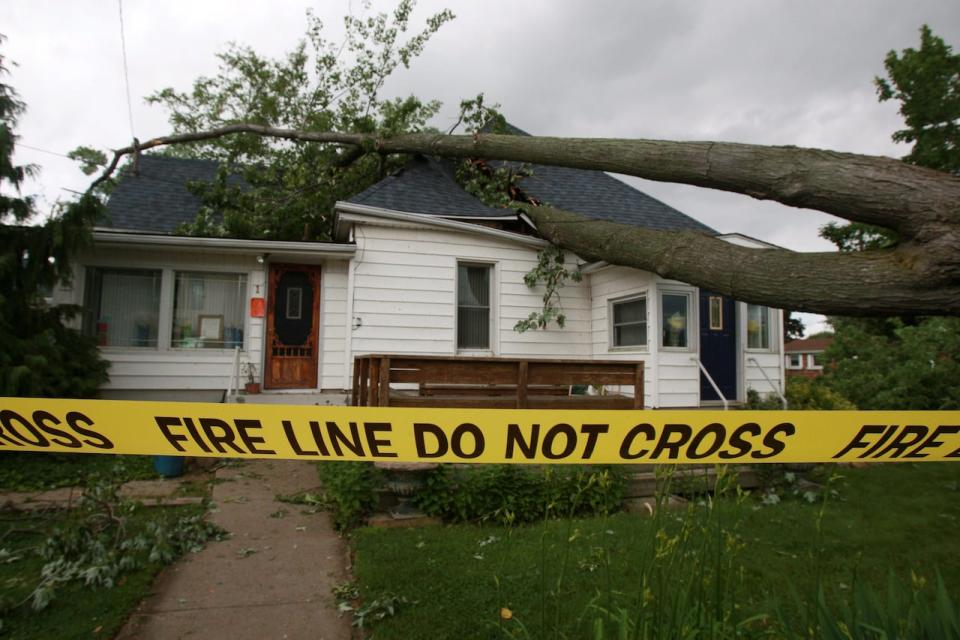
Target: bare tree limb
{"x":864,"y":283}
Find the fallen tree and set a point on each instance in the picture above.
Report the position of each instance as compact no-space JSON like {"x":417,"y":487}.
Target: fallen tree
{"x":920,"y":275}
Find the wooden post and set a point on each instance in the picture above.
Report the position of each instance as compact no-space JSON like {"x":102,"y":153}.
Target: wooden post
{"x":355,"y":390}
{"x":384,"y":385}
{"x":364,"y":364}
{"x":523,"y":369}
{"x":638,"y":386}
{"x":374,"y":399}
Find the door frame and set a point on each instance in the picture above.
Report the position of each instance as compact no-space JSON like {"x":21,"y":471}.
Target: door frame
{"x":274,"y":271}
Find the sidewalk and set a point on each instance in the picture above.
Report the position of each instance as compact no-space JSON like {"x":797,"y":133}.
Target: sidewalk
{"x":271,"y":579}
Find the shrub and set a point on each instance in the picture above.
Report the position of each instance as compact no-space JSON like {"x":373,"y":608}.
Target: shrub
{"x":350,"y":491}
{"x":802,"y":394}
{"x":509,"y":494}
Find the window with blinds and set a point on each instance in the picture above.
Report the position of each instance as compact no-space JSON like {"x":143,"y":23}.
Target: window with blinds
{"x":122,"y":306}
{"x":473,"y":306}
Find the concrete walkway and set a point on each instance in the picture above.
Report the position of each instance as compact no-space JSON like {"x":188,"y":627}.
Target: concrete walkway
{"x":271,"y":579}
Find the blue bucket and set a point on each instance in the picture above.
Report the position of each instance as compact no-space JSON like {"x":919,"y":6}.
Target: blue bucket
{"x":168,"y":466}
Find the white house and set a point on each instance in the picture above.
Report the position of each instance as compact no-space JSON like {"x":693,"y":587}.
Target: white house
{"x":416,"y":266}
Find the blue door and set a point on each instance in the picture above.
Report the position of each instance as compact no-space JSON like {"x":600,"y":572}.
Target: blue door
{"x":718,"y":345}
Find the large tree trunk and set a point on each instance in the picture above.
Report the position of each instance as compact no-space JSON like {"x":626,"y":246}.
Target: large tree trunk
{"x":921,"y":276}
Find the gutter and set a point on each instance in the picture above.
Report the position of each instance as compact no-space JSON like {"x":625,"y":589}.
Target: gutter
{"x":233,"y":245}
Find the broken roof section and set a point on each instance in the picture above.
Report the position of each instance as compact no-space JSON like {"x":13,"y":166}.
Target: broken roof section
{"x":427,"y":186}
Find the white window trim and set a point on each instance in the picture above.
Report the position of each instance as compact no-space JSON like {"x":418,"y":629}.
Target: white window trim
{"x":494,"y":307}
{"x":645,"y":347}
{"x":789,"y":365}
{"x":772,"y":334}
{"x":693,"y":320}
{"x":165,"y":314}
{"x":811,"y":364}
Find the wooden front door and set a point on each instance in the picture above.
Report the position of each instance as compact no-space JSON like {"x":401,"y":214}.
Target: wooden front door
{"x":293,"y":316}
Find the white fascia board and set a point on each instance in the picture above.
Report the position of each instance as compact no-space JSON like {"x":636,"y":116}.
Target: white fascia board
{"x":750,"y":242}
{"x":593,"y":267}
{"x":103,"y":237}
{"x":349,"y":212}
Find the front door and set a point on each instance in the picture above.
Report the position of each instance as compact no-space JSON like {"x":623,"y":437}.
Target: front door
{"x":718,"y":345}
{"x":292,"y":321}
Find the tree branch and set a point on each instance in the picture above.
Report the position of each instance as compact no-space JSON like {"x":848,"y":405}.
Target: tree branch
{"x":860,"y":188}
{"x":856,"y":284}
{"x":920,"y":276}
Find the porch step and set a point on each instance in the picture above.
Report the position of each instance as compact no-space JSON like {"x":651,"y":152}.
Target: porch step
{"x":685,"y":481}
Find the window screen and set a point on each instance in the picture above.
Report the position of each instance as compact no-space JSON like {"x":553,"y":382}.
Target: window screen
{"x":473,"y":306}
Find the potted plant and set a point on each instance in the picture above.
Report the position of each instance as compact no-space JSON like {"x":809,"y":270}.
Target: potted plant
{"x":251,"y":386}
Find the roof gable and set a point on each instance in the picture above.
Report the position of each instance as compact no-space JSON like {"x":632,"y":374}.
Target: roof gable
{"x":427,"y":186}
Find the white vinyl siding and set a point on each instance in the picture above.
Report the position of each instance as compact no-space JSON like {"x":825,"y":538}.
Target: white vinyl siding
{"x":405,"y":295}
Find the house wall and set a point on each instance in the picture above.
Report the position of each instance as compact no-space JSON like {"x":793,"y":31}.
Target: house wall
{"x":165,"y":367}
{"x":169,"y":368}
{"x":333,"y":318}
{"x":617,"y":283}
{"x":671,"y":377}
{"x":404,"y":295}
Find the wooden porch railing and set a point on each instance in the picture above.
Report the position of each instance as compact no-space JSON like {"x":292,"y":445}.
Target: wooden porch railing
{"x":448,"y":381}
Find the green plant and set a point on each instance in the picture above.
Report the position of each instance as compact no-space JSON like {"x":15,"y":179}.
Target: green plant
{"x":39,"y":356}
{"x":510,"y":494}
{"x":350,"y":491}
{"x":104,"y":538}
{"x":552,"y":272}
{"x":802,"y":394}
{"x":901,"y":610}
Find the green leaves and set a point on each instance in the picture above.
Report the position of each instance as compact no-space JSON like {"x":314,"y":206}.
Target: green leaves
{"x":926,"y":82}
{"x":552,"y":273}
{"x":319,"y":85}
{"x":897,"y":364}
{"x":39,"y":356}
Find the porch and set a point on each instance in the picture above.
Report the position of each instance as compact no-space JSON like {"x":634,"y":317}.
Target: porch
{"x":386,"y":380}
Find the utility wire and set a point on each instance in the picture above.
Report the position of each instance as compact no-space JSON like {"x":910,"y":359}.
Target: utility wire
{"x":126,"y":71}
{"x":52,"y":153}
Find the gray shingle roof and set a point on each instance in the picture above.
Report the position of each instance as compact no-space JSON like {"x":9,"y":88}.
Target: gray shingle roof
{"x":157,"y":200}
{"x":427,"y":186}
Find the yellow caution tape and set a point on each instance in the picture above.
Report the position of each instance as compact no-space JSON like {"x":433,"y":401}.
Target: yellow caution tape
{"x":475,"y":435}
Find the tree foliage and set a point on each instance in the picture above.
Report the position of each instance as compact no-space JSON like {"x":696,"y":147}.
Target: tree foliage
{"x":910,"y":362}
{"x":39,"y":356}
{"x":319,"y":85}
{"x":896,"y":365}
{"x":926,"y":83}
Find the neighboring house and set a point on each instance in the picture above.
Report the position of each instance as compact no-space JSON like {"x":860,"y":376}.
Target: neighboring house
{"x":416,"y":266}
{"x":805,"y":357}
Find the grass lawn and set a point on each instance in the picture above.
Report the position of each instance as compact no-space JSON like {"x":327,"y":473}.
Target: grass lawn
{"x":27,"y":471}
{"x":742,"y":557}
{"x":77,"y":611}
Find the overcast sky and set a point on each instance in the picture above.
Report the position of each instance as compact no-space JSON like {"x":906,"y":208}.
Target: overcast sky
{"x":760,"y":71}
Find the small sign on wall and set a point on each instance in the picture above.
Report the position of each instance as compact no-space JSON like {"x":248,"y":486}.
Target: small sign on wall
{"x":257,"y":307}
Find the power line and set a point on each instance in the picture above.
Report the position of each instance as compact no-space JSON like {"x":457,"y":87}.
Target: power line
{"x":52,"y":153}
{"x":126,"y":71}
